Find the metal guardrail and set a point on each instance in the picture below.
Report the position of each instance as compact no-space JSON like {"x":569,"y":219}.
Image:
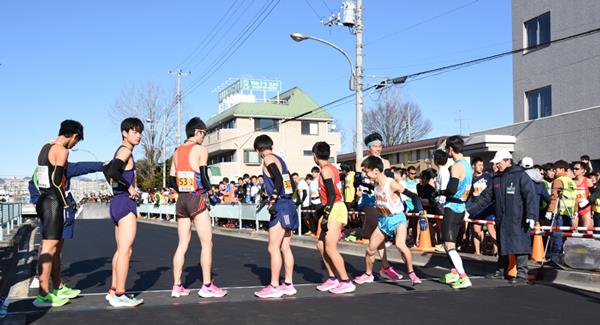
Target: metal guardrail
{"x":10,"y":216}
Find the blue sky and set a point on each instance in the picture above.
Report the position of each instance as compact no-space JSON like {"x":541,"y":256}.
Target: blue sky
{"x":72,"y":59}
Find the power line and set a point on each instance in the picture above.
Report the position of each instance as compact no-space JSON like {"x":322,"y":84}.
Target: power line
{"x":421,"y":22}
{"x":313,"y":9}
{"x":326,"y":6}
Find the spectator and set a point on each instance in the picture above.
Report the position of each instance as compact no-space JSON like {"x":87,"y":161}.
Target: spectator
{"x":585,"y":159}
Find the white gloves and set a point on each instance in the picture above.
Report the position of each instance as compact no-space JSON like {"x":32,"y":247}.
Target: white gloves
{"x":549,"y":215}
{"x":467,"y":215}
{"x":531,"y":223}
{"x":583,"y":203}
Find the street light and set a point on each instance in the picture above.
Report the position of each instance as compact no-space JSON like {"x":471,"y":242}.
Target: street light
{"x":301,"y":37}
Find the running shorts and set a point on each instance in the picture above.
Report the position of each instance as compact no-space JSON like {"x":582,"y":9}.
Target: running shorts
{"x":51,"y":212}
{"x":451,"y":225}
{"x":121,"y":206}
{"x":287,"y":215}
{"x":191,"y":204}
{"x":389,"y":224}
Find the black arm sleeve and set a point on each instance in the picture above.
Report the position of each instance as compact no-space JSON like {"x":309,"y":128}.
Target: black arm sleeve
{"x":277,"y":178}
{"x":330,"y":189}
{"x":172,"y":182}
{"x":114,"y":172}
{"x":57,"y":177}
{"x":303,"y":196}
{"x":415,"y":199}
{"x":452,"y":187}
{"x":204,"y":179}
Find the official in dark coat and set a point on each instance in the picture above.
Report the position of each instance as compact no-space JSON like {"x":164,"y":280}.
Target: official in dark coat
{"x":514,"y":195}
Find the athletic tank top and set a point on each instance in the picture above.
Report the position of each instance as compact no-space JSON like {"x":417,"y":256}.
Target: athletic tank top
{"x":336,"y":184}
{"x":44,"y":172}
{"x":583,"y":192}
{"x":288,"y":188}
{"x":129,"y":176}
{"x":463,"y":189}
{"x":385,"y":203}
{"x":188,"y":180}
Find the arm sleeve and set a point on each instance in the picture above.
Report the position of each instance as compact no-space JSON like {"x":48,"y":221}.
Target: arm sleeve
{"x":172,"y":183}
{"x":528,"y":195}
{"x":415,"y":199}
{"x":277,"y":178}
{"x":83,"y":168}
{"x":330,"y":189}
{"x":452,"y":187}
{"x":57,"y":177}
{"x":204,"y":179}
{"x":114,"y":172}
{"x":303,"y":195}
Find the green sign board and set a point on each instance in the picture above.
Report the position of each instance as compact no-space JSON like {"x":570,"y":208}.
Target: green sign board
{"x":250,"y":85}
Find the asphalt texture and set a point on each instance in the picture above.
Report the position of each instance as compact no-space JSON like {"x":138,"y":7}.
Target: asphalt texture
{"x":242,"y":266}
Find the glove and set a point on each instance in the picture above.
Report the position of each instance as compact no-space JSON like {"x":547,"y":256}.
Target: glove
{"x":548,"y":215}
{"x":531,"y":223}
{"x":583,"y":203}
{"x":467,"y":215}
{"x":326,"y":212}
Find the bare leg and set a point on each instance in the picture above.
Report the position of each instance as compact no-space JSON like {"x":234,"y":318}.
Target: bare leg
{"x":46,"y":258}
{"x":401,"y":245}
{"x":477,"y":238}
{"x":127,"y":230}
{"x":331,"y":240}
{"x":377,"y":238}
{"x":326,"y":259}
{"x":276,"y":234}
{"x":288,"y":257}
{"x":56,"y":266}
{"x":204,"y":230}
{"x":184,"y":231}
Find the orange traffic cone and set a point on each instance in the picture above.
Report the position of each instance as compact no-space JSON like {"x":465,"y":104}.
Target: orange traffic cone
{"x":425,"y":240}
{"x":512,"y":266}
{"x":537,"y":252}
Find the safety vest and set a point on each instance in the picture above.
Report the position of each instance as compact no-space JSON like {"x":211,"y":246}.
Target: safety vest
{"x":596,"y":206}
{"x":569,"y":196}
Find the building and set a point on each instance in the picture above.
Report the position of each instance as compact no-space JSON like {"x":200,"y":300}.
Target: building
{"x":556,"y":108}
{"x":231,"y":132}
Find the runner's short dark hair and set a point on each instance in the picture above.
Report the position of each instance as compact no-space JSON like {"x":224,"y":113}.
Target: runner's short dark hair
{"x":455,"y":142}
{"x":192,"y":125}
{"x":132,"y":123}
{"x":372,"y":137}
{"x":263,"y":142}
{"x":372,"y":162}
{"x":440,"y":157}
{"x":68,"y":128}
{"x":322,"y":150}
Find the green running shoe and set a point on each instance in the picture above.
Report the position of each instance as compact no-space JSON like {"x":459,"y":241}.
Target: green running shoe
{"x":449,"y":278}
{"x":66,"y":292}
{"x":462,"y":283}
{"x":49,"y":300}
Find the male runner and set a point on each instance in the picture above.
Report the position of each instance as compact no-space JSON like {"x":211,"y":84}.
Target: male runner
{"x":284,"y":218}
{"x":334,"y":217}
{"x":456,"y":194}
{"x":481,"y":180}
{"x":51,"y":208}
{"x":392,"y":221}
{"x":189,"y":176}
{"x":120,"y":174}
{"x":374,"y":145}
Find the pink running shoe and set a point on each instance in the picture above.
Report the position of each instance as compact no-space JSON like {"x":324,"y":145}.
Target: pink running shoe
{"x":328,"y":285}
{"x":414,"y":278}
{"x":287,"y":289}
{"x":390,"y":274}
{"x":269,"y":292}
{"x":211,"y":291}
{"x":179,"y":291}
{"x":343,"y":287}
{"x":364,"y":278}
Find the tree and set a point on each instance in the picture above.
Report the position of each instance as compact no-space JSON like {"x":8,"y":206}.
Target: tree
{"x":149,"y":104}
{"x":396,"y":121}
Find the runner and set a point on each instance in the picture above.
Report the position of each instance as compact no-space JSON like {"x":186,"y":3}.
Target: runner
{"x":120,"y":174}
{"x":481,"y":180}
{"x":583,"y":192}
{"x":456,"y":194}
{"x":367,"y":202}
{"x":189,"y":176}
{"x":392,"y":221}
{"x":284,"y":219}
{"x":334,"y":217}
{"x":51,"y":208}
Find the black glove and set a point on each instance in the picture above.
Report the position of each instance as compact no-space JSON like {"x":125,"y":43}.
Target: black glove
{"x":272,"y":203}
{"x":325,"y":218}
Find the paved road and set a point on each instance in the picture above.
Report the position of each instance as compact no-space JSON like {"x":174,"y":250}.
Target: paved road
{"x":242,"y":266}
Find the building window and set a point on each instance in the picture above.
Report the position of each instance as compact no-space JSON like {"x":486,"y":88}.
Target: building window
{"x":251,"y":157}
{"x":310,"y":128}
{"x":229,"y":124}
{"x":266,"y":124}
{"x":308,"y":153}
{"x":539,"y":102}
{"x":538,"y":30}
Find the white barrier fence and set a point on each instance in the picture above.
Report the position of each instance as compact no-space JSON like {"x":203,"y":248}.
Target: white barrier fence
{"x":10,"y":216}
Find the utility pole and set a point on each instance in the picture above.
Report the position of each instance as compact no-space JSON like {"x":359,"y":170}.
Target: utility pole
{"x":179,"y":73}
{"x":164,"y":169}
{"x":409,"y":124}
{"x":359,"y":81}
{"x":460,"y":119}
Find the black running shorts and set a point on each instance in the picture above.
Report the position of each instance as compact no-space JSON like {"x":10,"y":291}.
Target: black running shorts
{"x":190,"y":205}
{"x":451,"y":225}
{"x":51,"y":212}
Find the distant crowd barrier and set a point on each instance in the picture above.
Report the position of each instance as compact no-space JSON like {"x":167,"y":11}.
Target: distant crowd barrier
{"x":10,"y":216}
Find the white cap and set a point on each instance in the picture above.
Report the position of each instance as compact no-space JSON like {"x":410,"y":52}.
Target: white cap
{"x":501,"y":155}
{"x":527,"y":162}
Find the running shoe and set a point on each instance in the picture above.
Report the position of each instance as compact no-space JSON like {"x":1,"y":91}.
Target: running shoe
{"x":449,"y":278}
{"x":211,"y":291}
{"x":179,"y":291}
{"x":462,"y":283}
{"x":49,"y":300}
{"x":328,"y":285}
{"x":269,"y":292}
{"x":287,"y":289}
{"x":344,"y":287}
{"x":440,"y":248}
{"x":390,"y":274}
{"x":125,"y":300}
{"x":364,"y":278}
{"x":66,"y":292}
{"x":414,"y":278}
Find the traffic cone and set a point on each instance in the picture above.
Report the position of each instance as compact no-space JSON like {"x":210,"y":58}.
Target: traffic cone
{"x":512,"y":266}
{"x":537,"y":252}
{"x":425,"y":240}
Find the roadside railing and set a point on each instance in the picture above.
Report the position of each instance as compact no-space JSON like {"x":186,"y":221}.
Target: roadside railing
{"x":10,"y":216}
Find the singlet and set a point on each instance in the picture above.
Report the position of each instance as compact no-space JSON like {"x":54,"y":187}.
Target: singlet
{"x":349,"y":191}
{"x":44,"y":174}
{"x":583,"y":192}
{"x":288,"y":188}
{"x":188,"y":180}
{"x":128,"y":174}
{"x":463,"y":189}
{"x":336,"y":184}
{"x":385,"y":203}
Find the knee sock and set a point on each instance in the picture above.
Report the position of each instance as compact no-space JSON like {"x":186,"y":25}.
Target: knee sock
{"x":456,"y":261}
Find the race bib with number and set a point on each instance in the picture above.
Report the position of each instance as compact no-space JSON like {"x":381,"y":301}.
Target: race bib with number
{"x":42,"y":177}
{"x":185,"y":181}
{"x":287,"y":184}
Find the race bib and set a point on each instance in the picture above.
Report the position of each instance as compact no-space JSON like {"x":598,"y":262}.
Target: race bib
{"x":287,"y":184}
{"x":42,"y":177}
{"x":185,"y":181}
